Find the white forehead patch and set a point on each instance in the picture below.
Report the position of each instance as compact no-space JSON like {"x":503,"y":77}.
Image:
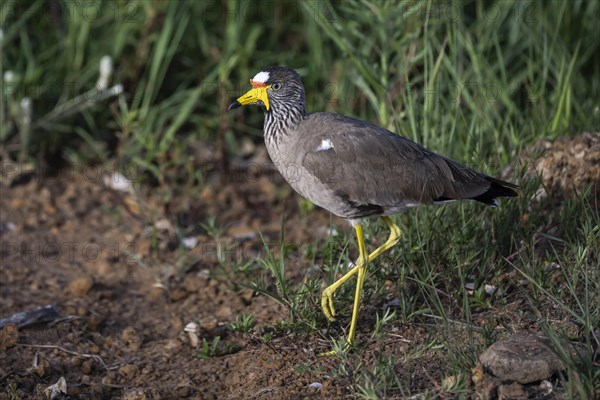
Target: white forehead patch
{"x":261,"y":77}
{"x":325,"y":145}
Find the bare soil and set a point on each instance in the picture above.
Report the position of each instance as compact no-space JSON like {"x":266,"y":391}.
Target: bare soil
{"x":113,"y":265}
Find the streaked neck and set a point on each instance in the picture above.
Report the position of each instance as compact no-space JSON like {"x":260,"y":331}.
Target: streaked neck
{"x":281,"y":120}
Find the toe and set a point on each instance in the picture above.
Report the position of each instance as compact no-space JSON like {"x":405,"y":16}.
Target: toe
{"x":327,"y":305}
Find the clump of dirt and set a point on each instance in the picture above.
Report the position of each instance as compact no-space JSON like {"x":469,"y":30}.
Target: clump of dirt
{"x":567,"y":165}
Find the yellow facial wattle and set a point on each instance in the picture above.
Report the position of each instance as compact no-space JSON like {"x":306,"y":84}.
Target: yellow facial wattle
{"x":254,"y":95}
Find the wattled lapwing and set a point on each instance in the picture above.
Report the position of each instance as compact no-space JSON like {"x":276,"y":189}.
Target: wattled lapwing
{"x":356,"y":170}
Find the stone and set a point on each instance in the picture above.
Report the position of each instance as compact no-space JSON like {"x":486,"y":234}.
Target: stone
{"x":80,"y":286}
{"x":522,"y":358}
{"x":512,"y":392}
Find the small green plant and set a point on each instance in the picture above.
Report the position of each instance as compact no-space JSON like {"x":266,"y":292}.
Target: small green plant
{"x":298,"y":301}
{"x":212,"y":229}
{"x":243,"y":323}
{"x":267,"y":337}
{"x":12,"y":391}
{"x":382,"y":322}
{"x":216,"y":348}
{"x":216,"y":233}
{"x":379,"y":380}
{"x":283,"y":293}
{"x":480,"y":298}
{"x":210,"y":349}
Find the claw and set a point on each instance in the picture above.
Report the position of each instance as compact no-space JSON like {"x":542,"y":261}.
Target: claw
{"x":327,"y":304}
{"x":334,"y":352}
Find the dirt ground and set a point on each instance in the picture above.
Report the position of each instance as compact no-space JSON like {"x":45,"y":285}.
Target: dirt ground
{"x":111,"y":262}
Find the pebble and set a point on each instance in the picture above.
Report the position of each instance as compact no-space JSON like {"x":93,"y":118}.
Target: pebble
{"x":9,"y":336}
{"x":224,"y":312}
{"x":512,"y":391}
{"x":193,"y":282}
{"x":128,"y":370}
{"x":131,"y":338}
{"x":157,"y":293}
{"x":80,"y":286}
{"x":178,"y":294}
{"x":242,"y":232}
{"x":109,"y":378}
{"x":86,"y":367}
{"x":209,"y":323}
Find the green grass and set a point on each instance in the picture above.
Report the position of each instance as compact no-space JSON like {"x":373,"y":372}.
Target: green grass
{"x":477,"y":81}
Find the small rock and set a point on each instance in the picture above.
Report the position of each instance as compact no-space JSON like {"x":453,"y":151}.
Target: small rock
{"x":182,"y":391}
{"x":492,"y":290}
{"x":79,"y":287}
{"x":242,"y":232}
{"x":247,"y":295}
{"x":119,"y":182}
{"x":131,"y":338}
{"x":193,"y":282}
{"x":9,"y":336}
{"x":189,"y":242}
{"x":512,"y":391}
{"x":143,"y":247}
{"x":223,"y":312}
{"x":93,"y":348}
{"x":209,"y":323}
{"x":172,"y":344}
{"x":393,"y":304}
{"x":521,"y":358}
{"x":86,"y":367}
{"x":178,"y":294}
{"x":545,"y":388}
{"x":485,"y":385}
{"x":157,"y":293}
{"x":163,"y":225}
{"x":99,"y":267}
{"x":108,"y":379}
{"x":55,"y":391}
{"x":128,"y":370}
{"x":132,"y":205}
{"x":134,"y":394}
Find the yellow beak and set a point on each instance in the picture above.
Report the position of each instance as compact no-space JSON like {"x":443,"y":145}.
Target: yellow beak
{"x":252,"y":97}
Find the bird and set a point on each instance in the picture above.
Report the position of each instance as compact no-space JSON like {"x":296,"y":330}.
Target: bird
{"x":356,"y":170}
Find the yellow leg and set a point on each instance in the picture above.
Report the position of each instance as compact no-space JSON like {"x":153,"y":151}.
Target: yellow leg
{"x":327,"y":296}
{"x":361,"y":269}
{"x":361,"y":266}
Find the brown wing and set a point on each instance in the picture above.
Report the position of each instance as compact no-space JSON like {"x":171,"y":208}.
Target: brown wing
{"x":368,"y":165}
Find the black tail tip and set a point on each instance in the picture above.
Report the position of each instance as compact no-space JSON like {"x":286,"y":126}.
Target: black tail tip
{"x":497,"y":189}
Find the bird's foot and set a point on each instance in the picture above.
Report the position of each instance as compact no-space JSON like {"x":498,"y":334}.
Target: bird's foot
{"x":339,"y":348}
{"x":327,"y":296}
{"x":327,"y":304}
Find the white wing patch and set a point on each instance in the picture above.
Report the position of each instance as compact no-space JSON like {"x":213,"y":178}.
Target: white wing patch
{"x":325,"y":145}
{"x":261,"y":77}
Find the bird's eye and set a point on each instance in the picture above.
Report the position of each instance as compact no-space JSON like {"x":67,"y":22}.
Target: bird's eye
{"x":276,"y":86}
